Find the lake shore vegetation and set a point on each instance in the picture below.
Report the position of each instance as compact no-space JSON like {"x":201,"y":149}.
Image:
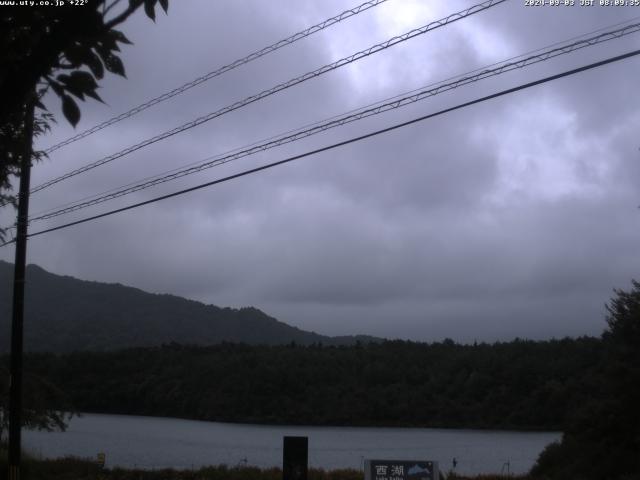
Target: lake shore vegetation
{"x":71,"y":468}
{"x":525,"y":385}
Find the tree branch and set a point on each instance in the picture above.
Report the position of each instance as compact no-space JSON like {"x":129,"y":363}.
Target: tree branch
{"x":133,"y":6}
{"x":107,"y":8}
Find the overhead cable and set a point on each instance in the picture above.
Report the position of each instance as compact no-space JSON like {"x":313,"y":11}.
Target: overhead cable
{"x":342,"y":143}
{"x":224,"y":69}
{"x":282,"y":86}
{"x":415,"y":96}
{"x":627,"y":22}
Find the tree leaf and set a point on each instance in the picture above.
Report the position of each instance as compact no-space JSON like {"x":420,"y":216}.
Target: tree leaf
{"x":149,"y":8}
{"x":70,"y":110}
{"x":63,"y":77}
{"x":83,"y":79}
{"x":114,"y":65}
{"x":94,"y":95}
{"x":56,"y":87}
{"x":95,"y":65}
{"x":82,"y":55}
{"x":82,"y":83}
{"x":118,"y":36}
{"x":75,"y":54}
{"x":108,"y":43}
{"x":40,"y":105}
{"x":103,"y":51}
{"x":70,"y":86}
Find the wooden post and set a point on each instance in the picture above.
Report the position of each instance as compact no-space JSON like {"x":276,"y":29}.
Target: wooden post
{"x":17,"y":320}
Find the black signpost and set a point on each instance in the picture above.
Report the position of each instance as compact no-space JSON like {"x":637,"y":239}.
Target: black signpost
{"x":401,"y":470}
{"x":295,"y":455}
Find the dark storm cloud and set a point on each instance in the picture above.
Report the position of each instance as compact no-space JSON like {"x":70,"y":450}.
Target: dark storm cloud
{"x":511,"y":218}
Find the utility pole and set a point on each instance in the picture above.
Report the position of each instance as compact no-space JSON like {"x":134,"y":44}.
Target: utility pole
{"x":17,"y":320}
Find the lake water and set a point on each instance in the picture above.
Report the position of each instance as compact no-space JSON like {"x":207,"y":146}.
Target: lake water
{"x":150,"y":442}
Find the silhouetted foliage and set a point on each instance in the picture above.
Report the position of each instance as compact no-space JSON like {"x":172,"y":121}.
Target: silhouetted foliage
{"x":45,"y":407}
{"x":65,"y":49}
{"x":602,"y":438}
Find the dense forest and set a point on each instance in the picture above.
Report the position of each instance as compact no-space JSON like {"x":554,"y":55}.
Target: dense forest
{"x":520,"y":384}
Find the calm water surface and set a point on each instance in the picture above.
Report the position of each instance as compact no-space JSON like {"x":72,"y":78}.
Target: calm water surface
{"x":150,"y":442}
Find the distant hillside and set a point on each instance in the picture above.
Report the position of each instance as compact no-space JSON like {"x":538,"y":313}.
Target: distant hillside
{"x":64,"y":314}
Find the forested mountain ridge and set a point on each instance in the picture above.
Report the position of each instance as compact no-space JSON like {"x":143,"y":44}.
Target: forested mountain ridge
{"x":65,"y":314}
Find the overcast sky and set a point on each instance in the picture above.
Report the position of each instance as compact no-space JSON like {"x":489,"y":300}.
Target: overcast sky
{"x":515,"y":217}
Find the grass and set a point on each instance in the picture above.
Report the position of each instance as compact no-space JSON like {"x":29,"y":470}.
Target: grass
{"x":71,"y":468}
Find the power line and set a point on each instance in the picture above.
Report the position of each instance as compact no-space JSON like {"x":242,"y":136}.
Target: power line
{"x":395,"y":97}
{"x":158,"y":175}
{"x":397,"y":102}
{"x":345,"y":142}
{"x":224,"y":69}
{"x":282,"y":86}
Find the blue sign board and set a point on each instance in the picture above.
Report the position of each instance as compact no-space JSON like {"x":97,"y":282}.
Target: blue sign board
{"x":401,"y":470}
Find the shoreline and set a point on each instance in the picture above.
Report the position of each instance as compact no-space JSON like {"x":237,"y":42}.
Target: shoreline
{"x":512,"y":429}
{"x":157,"y":442}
